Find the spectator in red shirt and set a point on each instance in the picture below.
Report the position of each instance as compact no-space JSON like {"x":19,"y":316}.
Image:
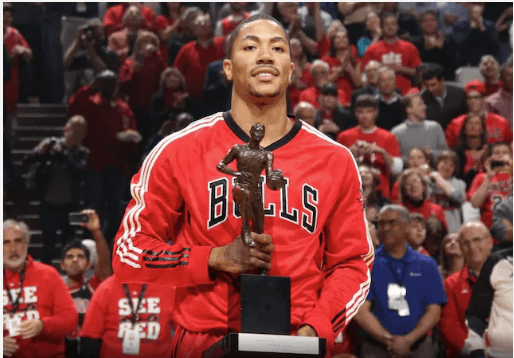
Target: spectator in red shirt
{"x":113,"y":18}
{"x":128,"y":319}
{"x":18,"y":50}
{"x":414,"y":195}
{"x":122,"y":42}
{"x":38,"y":310}
{"x":344,"y":65}
{"x":391,"y":51}
{"x":139,"y":77}
{"x":372,"y":145}
{"x":498,"y":128}
{"x":75,"y":261}
{"x":476,"y":244}
{"x":494,"y":186}
{"x":169,"y":23}
{"x":490,"y":70}
{"x":320,"y":71}
{"x":111,"y":139}
{"x":194,"y":57}
{"x":326,"y":40}
{"x":226,"y":25}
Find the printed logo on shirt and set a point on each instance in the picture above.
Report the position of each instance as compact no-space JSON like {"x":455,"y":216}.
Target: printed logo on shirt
{"x":220,"y":192}
{"x":148,"y":317}
{"x":415,"y":274}
{"x":391,"y":58}
{"x":27,"y":309}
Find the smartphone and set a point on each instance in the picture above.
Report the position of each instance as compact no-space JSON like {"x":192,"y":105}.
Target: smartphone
{"x":78,"y":218}
{"x":497,"y":163}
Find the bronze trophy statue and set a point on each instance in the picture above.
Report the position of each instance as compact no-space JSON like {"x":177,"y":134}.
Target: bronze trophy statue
{"x":265,"y":300}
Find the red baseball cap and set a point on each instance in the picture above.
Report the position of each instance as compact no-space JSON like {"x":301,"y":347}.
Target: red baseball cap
{"x":475,"y":85}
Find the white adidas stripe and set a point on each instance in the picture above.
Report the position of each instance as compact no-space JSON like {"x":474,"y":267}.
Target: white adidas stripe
{"x":131,"y":223}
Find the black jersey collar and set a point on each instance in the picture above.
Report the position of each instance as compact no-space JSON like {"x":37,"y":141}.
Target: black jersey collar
{"x":297,"y":125}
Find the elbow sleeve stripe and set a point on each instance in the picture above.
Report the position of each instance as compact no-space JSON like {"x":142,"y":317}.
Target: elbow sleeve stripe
{"x":127,"y":252}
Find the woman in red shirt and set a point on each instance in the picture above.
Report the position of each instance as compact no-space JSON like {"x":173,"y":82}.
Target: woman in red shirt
{"x":139,"y":78}
{"x":344,"y":67}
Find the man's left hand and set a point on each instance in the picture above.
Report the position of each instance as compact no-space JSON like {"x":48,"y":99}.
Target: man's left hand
{"x":306,"y":331}
{"x":31,"y":329}
{"x":399,"y":347}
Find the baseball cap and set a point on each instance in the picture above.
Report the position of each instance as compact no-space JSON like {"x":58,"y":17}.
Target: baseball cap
{"x":475,"y":85}
{"x":329,"y":88}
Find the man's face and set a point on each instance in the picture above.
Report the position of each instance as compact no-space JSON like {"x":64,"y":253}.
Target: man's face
{"x":507,"y":79}
{"x":501,"y":152}
{"x":417,"y":108}
{"x":476,"y":244}
{"x":75,"y":262}
{"x":390,"y":26}
{"x":328,"y":101}
{"x":416,"y":234}
{"x":366,"y":116}
{"x":261,"y":65}
{"x":475,"y":101}
{"x":429,"y":24}
{"x":391,"y":230}
{"x":489,"y":68}
{"x":202,"y":25}
{"x":15,"y":248}
{"x":307,"y":114}
{"x":435,"y":86}
{"x":319,"y":75}
{"x":414,"y":187}
{"x":371,"y":71}
{"x":73,"y":134}
{"x":132,"y":16}
{"x":386,"y":82}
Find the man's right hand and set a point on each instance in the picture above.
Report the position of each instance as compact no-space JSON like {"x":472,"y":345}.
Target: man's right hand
{"x":10,"y":346}
{"x":238,"y":258}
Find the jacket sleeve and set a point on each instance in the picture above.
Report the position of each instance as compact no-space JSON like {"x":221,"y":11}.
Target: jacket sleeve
{"x":451,"y":327}
{"x":347,"y":260}
{"x":65,"y":318}
{"x":77,"y":104}
{"x":503,"y":211}
{"x":141,"y":253}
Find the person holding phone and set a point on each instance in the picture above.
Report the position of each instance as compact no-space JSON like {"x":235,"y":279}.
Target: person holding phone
{"x":491,"y":188}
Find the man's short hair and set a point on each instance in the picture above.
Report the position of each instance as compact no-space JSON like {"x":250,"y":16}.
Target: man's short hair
{"x":319,"y":62}
{"x":366,"y":101}
{"x":386,"y":69}
{"x":302,"y":105}
{"x":234,"y":34}
{"x":329,"y":89}
{"x":429,"y":12}
{"x":75,"y":244}
{"x":402,"y":211}
{"x":386,"y":16}
{"x":432,"y":70}
{"x":20,"y":225}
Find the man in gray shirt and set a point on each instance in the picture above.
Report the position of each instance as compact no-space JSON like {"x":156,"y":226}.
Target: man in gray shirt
{"x":416,"y":131}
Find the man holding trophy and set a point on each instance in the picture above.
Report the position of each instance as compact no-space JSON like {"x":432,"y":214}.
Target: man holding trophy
{"x":183,"y":225}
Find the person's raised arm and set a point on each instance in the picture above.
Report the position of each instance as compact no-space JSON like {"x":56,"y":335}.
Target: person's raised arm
{"x":103,"y":266}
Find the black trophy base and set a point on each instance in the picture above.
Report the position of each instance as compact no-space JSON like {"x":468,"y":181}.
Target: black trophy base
{"x":250,"y":345}
{"x":265,"y":304}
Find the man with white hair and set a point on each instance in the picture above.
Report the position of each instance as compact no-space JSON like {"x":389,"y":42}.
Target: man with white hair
{"x":319,"y":72}
{"x":38,"y":310}
{"x":490,"y":70}
{"x":306,"y":112}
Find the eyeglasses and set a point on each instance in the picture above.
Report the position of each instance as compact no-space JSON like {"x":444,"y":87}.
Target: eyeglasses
{"x":475,"y":241}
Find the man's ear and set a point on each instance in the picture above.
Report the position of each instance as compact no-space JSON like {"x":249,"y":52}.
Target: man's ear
{"x":291,"y":72}
{"x":227,"y":67}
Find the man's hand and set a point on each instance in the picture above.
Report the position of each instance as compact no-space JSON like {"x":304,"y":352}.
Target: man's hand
{"x":93,"y":223}
{"x":238,"y":258}
{"x":399,"y":346}
{"x":31,"y":329}
{"x":10,"y":346}
{"x":306,"y":331}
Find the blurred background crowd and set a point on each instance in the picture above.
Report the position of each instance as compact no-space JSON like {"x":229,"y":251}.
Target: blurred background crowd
{"x":421,"y":94}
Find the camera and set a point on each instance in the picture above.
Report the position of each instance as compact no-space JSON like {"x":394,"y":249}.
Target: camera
{"x":497,"y":163}
{"x":88,"y":31}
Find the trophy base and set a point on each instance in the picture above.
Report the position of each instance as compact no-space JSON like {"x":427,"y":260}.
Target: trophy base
{"x":246,"y":345}
{"x":265,"y":304}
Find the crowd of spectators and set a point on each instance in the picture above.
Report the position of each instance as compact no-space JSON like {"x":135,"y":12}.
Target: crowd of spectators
{"x":434,"y":148}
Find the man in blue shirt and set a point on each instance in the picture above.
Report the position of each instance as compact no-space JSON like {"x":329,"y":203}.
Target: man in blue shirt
{"x":405,"y":297}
